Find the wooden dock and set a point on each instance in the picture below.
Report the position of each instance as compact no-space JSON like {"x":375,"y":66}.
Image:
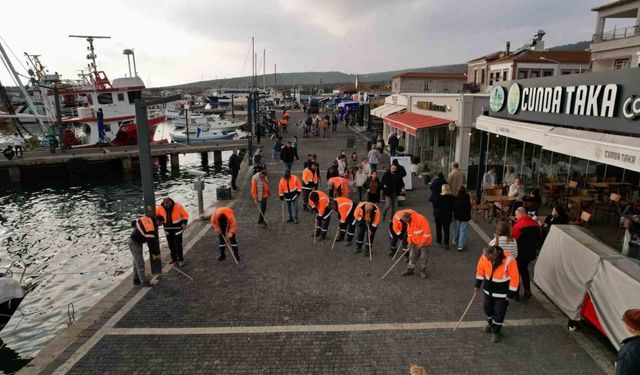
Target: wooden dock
{"x":124,"y":154}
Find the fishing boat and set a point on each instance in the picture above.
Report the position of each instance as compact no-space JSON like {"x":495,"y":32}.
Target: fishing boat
{"x":202,"y":136}
{"x":11,"y":294}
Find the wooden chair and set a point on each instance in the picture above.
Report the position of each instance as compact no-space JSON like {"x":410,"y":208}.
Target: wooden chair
{"x":485,"y":208}
{"x":591,"y":179}
{"x":584,"y":218}
{"x":612,"y":207}
{"x":505,"y":210}
{"x":570,"y":190}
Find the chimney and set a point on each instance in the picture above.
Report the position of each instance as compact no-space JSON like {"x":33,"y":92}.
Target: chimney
{"x":508,"y":47}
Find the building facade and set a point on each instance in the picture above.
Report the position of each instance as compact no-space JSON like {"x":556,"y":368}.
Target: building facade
{"x":533,"y":64}
{"x":429,"y":82}
{"x":478,"y":71}
{"x":616,"y":47}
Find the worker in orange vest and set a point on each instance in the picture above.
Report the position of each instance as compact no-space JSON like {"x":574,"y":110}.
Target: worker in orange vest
{"x":338,"y":187}
{"x":289,"y":190}
{"x":144,"y":230}
{"x":497,"y":275}
{"x":225,"y":225}
{"x":260,"y":193}
{"x":284,"y":125}
{"x":176,"y":218}
{"x":398,"y":231}
{"x":418,"y":238}
{"x":310,"y":179}
{"x":345,"y":208}
{"x":367,"y":216}
{"x":319,"y":202}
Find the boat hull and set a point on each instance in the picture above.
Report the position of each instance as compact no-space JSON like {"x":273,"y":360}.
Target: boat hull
{"x":182,"y":138}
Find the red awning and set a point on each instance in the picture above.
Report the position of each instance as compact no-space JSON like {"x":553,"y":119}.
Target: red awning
{"x":412,"y":122}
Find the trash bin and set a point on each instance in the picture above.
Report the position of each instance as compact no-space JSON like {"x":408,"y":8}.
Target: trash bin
{"x":223,"y":193}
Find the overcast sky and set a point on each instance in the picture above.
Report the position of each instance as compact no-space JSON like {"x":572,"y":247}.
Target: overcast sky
{"x":179,"y":41}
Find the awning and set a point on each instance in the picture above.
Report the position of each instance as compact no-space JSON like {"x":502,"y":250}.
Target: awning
{"x":412,"y":122}
{"x":523,"y":131}
{"x":386,"y":110}
{"x":617,"y":150}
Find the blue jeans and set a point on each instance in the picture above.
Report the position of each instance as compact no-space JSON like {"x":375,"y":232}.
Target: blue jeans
{"x":461,"y":233}
{"x":292,"y":207}
{"x":286,"y":167}
{"x":373,"y":166}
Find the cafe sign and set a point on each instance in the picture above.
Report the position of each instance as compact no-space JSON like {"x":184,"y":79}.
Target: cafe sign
{"x":431,"y":106}
{"x":607,"y":101}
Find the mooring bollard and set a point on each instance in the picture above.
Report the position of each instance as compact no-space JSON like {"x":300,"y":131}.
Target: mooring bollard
{"x":198,"y":186}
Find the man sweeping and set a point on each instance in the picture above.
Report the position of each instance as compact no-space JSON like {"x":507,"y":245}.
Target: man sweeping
{"x":260,"y":193}
{"x":398,"y":231}
{"x":144,"y":231}
{"x":319,"y":202}
{"x":338,"y":187}
{"x":176,"y":218}
{"x":345,"y":208}
{"x":419,"y":239}
{"x":289,"y":189}
{"x":367,"y":216}
{"x":225,"y":225}
{"x":310,"y":181}
{"x":497,"y":274}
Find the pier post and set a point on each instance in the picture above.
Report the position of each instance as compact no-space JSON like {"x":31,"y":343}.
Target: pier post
{"x":14,"y":174}
{"x":126,"y":165}
{"x":217,"y":158}
{"x":175,"y":161}
{"x":162,"y":159}
{"x":205,"y":158}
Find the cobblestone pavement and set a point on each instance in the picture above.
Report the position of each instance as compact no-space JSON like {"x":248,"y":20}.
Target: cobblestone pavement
{"x":284,"y":280}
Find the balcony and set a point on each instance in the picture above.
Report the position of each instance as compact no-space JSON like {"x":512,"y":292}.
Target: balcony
{"x":626,"y":32}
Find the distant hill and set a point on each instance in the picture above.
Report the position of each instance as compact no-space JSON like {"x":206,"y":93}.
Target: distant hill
{"x":578,"y":46}
{"x":315,"y":78}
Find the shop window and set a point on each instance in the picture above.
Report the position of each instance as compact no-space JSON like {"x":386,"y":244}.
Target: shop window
{"x":121,"y":97}
{"x":105,"y":98}
{"x":534,"y":74}
{"x":475,"y":76}
{"x":547,"y":73}
{"x":504,"y":75}
{"x":522,"y":74}
{"x":482,"y":76}
{"x":621,"y":64}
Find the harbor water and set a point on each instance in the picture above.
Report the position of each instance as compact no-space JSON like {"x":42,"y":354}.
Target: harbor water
{"x":73,"y":238}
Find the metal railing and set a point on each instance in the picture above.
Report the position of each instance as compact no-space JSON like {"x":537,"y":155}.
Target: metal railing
{"x":625,"y":32}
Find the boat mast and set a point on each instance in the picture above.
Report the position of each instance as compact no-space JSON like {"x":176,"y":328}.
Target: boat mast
{"x":264,"y":70}
{"x":92,"y":53}
{"x":24,"y":92}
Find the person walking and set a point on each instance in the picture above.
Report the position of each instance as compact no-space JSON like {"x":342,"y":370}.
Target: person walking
{"x":319,"y":202}
{"x":287,"y":157}
{"x":309,"y":183}
{"x":503,"y":239}
{"x":354,"y":162}
{"x":334,"y":122}
{"x":234,"y":167}
{"x":345,"y":209}
{"x":338,"y":187}
{"x":176,"y":218}
{"x":374,"y":157}
{"x":225,"y":225}
{"x":367,"y":216}
{"x":366,"y":167}
{"x":526,"y":232}
{"x":277,"y":148}
{"x":325,"y":127}
{"x":392,"y":185}
{"x":360,"y":179}
{"x":418,"y":239}
{"x":332,"y":171}
{"x":289,"y":189}
{"x":372,"y":188}
{"x":436,"y":188}
{"x":342,"y":165}
{"x":461,"y":217}
{"x":393,"y":143}
{"x":144,"y":231}
{"x":456,"y":177}
{"x":260,"y":193}
{"x":628,"y":357}
{"x":284,"y":124}
{"x":497,"y":275}
{"x":308,"y":125}
{"x":443,"y":212}
{"x":398,"y":230}
{"x":17,"y":145}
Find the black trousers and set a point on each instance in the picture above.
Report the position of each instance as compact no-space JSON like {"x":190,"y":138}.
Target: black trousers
{"x":263,"y":209}
{"x":234,"y":177}
{"x":442,"y":227}
{"x":305,"y":197}
{"x":347,"y":229}
{"x":322,"y":224}
{"x":523,"y":270}
{"x":362,"y":235}
{"x":284,"y":130}
{"x":395,"y":238}
{"x":222,"y":246}
{"x":175,"y":246}
{"x":495,"y":309}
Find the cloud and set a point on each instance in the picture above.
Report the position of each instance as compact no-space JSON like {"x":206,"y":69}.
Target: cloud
{"x":180,"y":41}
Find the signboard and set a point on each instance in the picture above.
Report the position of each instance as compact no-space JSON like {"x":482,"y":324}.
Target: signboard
{"x":431,"y":106}
{"x":602,"y":101}
{"x":405,"y":161}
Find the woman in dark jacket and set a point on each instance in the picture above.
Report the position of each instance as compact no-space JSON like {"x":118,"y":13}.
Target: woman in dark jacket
{"x":436,"y":187}
{"x":558,"y":216}
{"x":372,"y":188}
{"x":443,"y":210}
{"x":461,"y":217}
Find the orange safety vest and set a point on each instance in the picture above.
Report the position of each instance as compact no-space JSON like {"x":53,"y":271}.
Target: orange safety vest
{"x":146,"y":227}
{"x":254,"y":187}
{"x":345,"y":205}
{"x":360,"y":215}
{"x":309,"y":177}
{"x":499,"y":281}
{"x":396,"y":223}
{"x":178,"y":215}
{"x":340,"y":186}
{"x":232,"y":224}
{"x":419,"y":231}
{"x":323,"y":202}
{"x":290,"y":189}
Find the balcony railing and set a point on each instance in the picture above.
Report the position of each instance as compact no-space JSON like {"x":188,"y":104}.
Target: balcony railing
{"x":625,"y":32}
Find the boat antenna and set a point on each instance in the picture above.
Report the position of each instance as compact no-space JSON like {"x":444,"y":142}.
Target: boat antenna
{"x":92,"y":55}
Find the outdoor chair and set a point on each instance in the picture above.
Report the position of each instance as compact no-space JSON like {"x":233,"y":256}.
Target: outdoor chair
{"x":485,"y":208}
{"x":612,"y":207}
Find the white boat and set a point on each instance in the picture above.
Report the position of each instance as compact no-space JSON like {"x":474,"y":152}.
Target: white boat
{"x":182,"y":137}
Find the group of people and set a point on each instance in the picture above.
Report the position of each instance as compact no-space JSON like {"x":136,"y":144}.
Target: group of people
{"x":15,"y":150}
{"x":313,"y":126}
{"x":451,"y":203}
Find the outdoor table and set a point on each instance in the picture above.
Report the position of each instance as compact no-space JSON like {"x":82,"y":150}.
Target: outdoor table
{"x":602,"y":186}
{"x":497,"y":198}
{"x":579,"y":200}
